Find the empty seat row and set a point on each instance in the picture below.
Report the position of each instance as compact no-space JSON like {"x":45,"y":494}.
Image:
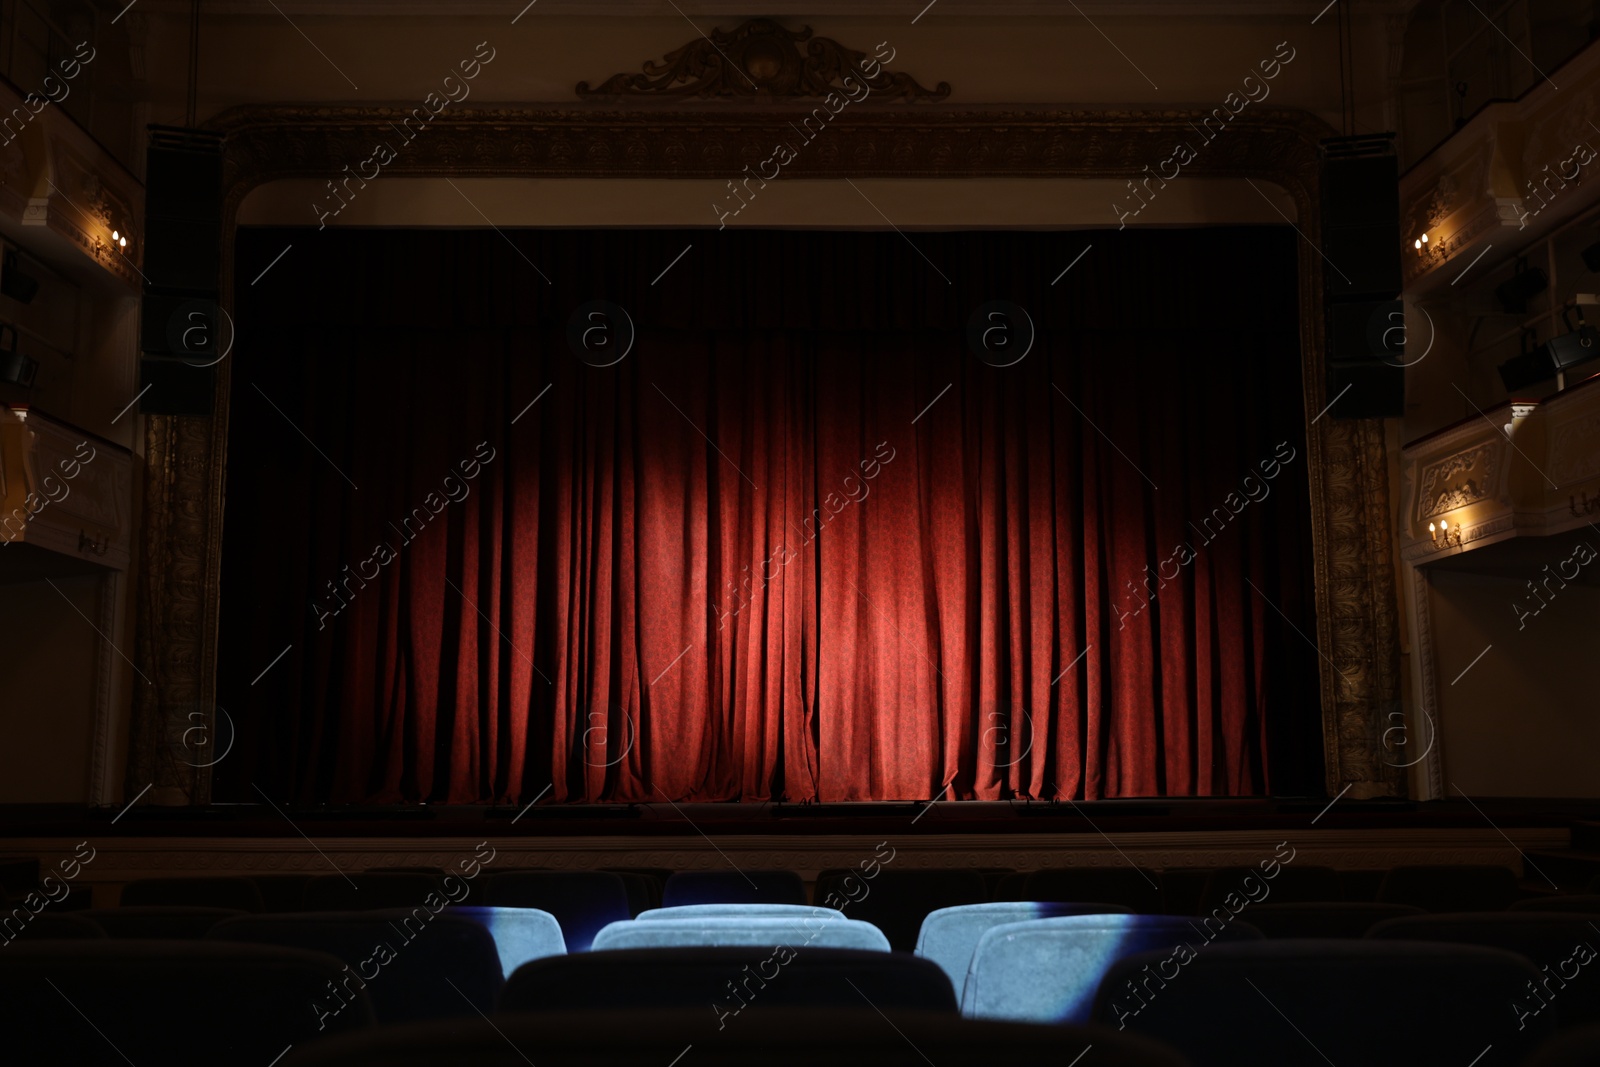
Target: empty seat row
{"x":476,"y":946}
{"x":1269,"y":1003}
{"x":582,"y":901}
{"x":1036,"y":961}
{"x":1053,"y":969}
{"x":209,"y":1002}
{"x":1240,"y":1002}
{"x":896,"y":902}
{"x":1193,"y":891}
{"x":805,"y":1037}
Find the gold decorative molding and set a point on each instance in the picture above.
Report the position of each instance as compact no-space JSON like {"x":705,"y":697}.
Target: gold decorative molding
{"x":1357,"y":622}
{"x":762,"y":59}
{"x":1350,"y":529}
{"x":178,"y":600}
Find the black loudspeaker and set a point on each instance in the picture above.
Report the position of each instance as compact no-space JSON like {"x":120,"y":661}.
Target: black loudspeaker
{"x":1367,"y":330}
{"x":1366,"y":359}
{"x":179,"y":325}
{"x":1366,"y":389}
{"x":1365,"y":355}
{"x":1541,"y":363}
{"x":1361,"y":218}
{"x":176,"y":388}
{"x":182,"y":268}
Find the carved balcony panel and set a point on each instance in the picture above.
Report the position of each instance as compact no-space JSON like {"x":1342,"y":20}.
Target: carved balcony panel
{"x":1502,"y":181}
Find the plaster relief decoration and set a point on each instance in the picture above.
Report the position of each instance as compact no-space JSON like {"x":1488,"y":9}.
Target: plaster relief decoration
{"x":1442,"y":200}
{"x":761,"y":59}
{"x":1455,"y":482}
{"x":1575,"y":451}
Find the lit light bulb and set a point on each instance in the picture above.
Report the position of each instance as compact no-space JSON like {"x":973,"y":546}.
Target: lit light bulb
{"x":1424,"y":238}
{"x":1432,"y":528}
{"x":1444,"y":526}
{"x":115,"y":235}
{"x":1417,"y":244}
{"x":124,"y":242}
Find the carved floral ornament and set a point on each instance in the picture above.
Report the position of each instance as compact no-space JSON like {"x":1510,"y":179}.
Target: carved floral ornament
{"x":1456,"y":481}
{"x":761,"y":59}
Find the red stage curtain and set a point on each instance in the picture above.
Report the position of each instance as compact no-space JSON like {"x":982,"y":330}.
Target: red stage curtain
{"x":799,"y":543}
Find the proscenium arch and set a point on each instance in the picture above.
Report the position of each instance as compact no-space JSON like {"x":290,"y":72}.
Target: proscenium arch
{"x":1357,"y":627}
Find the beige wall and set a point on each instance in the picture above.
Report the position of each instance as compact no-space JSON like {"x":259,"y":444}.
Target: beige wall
{"x":47,"y":660}
{"x":1521,"y":721}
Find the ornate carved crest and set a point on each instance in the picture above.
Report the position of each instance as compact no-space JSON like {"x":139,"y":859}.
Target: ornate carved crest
{"x":762,"y":59}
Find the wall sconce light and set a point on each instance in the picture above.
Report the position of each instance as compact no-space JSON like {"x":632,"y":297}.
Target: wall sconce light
{"x":1431,"y":250}
{"x":118,"y":239}
{"x":1443,"y":536}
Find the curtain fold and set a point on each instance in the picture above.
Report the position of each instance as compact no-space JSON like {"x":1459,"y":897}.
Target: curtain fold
{"x":799,"y":543}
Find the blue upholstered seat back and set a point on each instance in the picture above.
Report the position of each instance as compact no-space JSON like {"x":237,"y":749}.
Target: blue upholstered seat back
{"x":582,"y":901}
{"x":405,"y":960}
{"x":1368,"y":1002}
{"x":1561,"y":944}
{"x":740,"y":911}
{"x":174,"y":1003}
{"x":797,"y":932}
{"x":949,"y":936}
{"x":154,"y":921}
{"x":1047,"y":970}
{"x":720,"y":984}
{"x":520,"y":934}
